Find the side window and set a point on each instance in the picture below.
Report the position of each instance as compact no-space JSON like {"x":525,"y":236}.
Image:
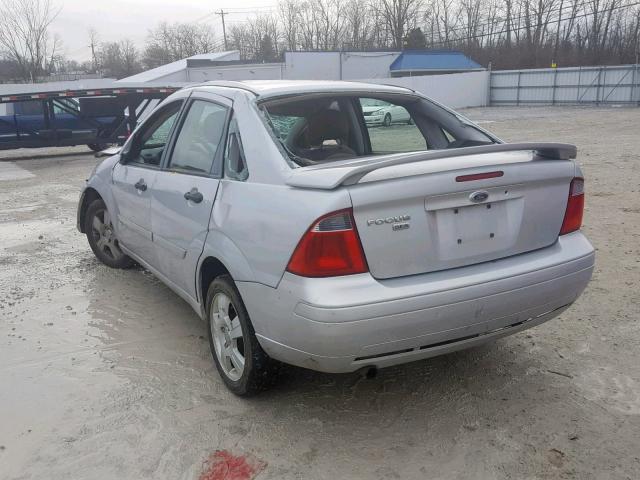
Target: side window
{"x":199,"y":137}
{"x":149,"y":143}
{"x":62,"y":106}
{"x":235,"y":166}
{"x":391,"y":128}
{"x":32,"y":107}
{"x":283,"y":124}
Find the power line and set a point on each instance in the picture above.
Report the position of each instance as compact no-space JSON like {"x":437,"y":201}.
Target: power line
{"x":204,"y":17}
{"x":250,"y":9}
{"x":539,"y":24}
{"x":514,"y":19}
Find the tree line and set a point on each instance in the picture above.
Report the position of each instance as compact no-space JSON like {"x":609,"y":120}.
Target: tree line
{"x":505,"y":33}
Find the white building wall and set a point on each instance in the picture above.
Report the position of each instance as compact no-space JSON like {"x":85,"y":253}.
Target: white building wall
{"x":267,"y":71}
{"x":179,"y":76}
{"x":455,"y":90}
{"x":312,"y":65}
{"x":337,"y":65}
{"x":367,"y":64}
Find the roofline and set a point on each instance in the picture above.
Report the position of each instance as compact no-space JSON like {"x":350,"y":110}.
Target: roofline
{"x":477,"y":69}
{"x":260,"y":94}
{"x":239,"y":66}
{"x":227,"y":84}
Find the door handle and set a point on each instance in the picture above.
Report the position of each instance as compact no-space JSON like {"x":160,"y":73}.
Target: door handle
{"x":140,"y":185}
{"x":194,"y":195}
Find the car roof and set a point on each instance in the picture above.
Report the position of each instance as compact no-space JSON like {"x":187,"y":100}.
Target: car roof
{"x":273,"y":88}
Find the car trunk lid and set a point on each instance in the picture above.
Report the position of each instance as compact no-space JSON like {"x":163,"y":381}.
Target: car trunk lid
{"x":424,"y":216}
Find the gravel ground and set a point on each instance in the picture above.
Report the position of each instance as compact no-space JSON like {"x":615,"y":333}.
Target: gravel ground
{"x":107,"y":374}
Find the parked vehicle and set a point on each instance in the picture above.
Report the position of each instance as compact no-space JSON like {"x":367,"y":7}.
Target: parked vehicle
{"x":301,"y":235}
{"x":96,"y":118}
{"x":379,"y":112}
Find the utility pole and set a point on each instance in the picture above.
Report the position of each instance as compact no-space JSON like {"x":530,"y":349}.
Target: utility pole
{"x":222,"y":13}
{"x":93,"y":56}
{"x":93,"y":37}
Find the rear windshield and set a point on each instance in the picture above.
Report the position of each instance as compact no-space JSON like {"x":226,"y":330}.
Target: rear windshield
{"x":319,"y":128}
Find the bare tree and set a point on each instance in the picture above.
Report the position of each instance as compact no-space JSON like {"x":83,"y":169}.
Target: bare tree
{"x":25,"y":37}
{"x":289,"y":14}
{"x":119,"y":59}
{"x":399,"y":16}
{"x":360,"y":26}
{"x":170,"y":42}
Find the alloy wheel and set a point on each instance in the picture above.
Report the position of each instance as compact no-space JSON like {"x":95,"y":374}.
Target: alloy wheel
{"x":226,"y":333}
{"x":104,"y":236}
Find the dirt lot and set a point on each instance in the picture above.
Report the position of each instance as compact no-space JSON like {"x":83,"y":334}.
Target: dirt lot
{"x":107,"y":374}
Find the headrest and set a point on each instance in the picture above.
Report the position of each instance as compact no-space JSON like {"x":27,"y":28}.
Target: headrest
{"x":327,"y":125}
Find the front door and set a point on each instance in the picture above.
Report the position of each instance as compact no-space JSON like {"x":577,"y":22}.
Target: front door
{"x":133,"y":178}
{"x":184,"y":190}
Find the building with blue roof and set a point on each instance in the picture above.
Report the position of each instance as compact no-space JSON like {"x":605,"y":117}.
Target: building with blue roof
{"x":432,"y":62}
{"x":311,"y":65}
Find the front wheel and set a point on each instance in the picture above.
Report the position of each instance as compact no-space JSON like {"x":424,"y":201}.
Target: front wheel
{"x":244,"y":367}
{"x":387,"y":120}
{"x":98,"y":147}
{"x":102,"y":238}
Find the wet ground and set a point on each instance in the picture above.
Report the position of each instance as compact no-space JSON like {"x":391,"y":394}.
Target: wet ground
{"x":106,"y":374}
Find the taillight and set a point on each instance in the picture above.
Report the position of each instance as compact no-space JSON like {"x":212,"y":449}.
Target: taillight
{"x":331,"y":247}
{"x":575,"y":206}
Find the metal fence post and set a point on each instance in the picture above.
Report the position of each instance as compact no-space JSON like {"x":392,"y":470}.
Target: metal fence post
{"x":518,"y":89}
{"x":633,"y":82}
{"x":489,"y":86}
{"x":634,"y":87}
{"x":555,"y":82}
{"x":579,"y":84}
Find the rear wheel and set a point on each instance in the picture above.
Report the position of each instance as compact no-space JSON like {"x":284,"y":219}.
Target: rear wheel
{"x":387,"y":120}
{"x":102,"y":238}
{"x":244,"y":367}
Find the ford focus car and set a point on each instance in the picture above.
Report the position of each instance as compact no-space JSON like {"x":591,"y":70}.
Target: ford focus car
{"x":302,"y":234}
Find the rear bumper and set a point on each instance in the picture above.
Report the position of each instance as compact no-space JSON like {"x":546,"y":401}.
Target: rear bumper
{"x":345,"y":323}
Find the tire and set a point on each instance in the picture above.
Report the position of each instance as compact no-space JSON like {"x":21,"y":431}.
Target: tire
{"x":387,"y":120}
{"x":98,"y":147}
{"x":258,"y":370}
{"x":101,"y":236}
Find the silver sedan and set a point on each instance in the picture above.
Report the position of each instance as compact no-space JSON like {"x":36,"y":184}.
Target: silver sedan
{"x":302,"y":234}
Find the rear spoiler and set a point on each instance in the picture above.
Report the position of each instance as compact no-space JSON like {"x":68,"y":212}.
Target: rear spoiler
{"x":331,"y":175}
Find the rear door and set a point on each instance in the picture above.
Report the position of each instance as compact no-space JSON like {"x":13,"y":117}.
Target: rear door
{"x":135,"y":174}
{"x":184,"y":191}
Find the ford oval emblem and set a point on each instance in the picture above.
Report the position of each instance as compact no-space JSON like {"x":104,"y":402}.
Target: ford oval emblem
{"x":477,"y":197}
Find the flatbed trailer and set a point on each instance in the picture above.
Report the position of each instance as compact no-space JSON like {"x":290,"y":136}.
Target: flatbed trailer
{"x":94,"y":117}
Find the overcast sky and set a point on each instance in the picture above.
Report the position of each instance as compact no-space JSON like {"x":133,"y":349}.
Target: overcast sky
{"x":118,"y":19}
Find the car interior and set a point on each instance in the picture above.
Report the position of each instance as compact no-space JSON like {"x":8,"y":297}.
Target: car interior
{"x":323,"y":128}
